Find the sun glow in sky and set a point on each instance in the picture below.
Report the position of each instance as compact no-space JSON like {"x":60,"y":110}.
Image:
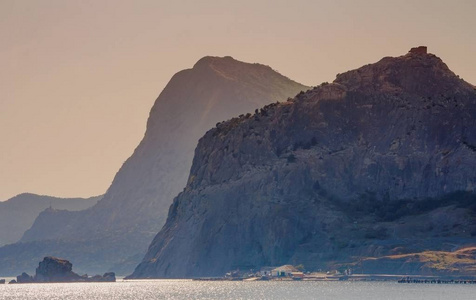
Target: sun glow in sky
{"x":78,"y":78}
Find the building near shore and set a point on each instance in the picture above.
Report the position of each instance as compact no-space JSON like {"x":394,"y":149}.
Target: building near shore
{"x":283,"y":271}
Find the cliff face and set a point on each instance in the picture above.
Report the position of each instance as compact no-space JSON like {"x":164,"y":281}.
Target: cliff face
{"x":118,"y":229}
{"x":19,"y":213}
{"x":216,"y":89}
{"x":379,"y":162}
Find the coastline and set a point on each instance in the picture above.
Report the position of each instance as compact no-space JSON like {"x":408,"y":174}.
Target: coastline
{"x":400,"y":278}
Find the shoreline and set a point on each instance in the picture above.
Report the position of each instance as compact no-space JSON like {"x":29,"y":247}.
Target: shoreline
{"x":412,"y":279}
{"x":457,"y":279}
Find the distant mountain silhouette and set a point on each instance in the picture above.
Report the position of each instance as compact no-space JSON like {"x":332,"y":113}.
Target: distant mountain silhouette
{"x":115,"y":233}
{"x":377,"y":164}
{"x":17,"y":214}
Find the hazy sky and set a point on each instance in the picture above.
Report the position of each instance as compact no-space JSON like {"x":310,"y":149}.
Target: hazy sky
{"x":78,"y":78}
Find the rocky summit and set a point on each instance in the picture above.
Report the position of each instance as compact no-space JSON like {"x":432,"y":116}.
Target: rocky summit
{"x":376,"y":164}
{"x":114,"y":234}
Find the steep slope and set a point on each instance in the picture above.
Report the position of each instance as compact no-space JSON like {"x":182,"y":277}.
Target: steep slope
{"x":17,"y":214}
{"x":380,"y":162}
{"x":118,"y":229}
{"x":459,"y":262}
{"x":216,"y":89}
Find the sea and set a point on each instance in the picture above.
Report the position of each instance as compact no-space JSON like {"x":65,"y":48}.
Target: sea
{"x":188,"y":289}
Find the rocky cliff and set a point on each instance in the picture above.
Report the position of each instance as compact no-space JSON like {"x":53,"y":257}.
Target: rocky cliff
{"x":114,"y":234}
{"x":18,"y":213}
{"x":379,"y":162}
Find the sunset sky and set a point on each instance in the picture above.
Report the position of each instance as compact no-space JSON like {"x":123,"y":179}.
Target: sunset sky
{"x":78,"y":78}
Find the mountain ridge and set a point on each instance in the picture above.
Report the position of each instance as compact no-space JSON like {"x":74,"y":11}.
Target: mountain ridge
{"x":135,"y":206}
{"x":18,"y":213}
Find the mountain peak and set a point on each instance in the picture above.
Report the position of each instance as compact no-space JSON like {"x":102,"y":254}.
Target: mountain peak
{"x":209,"y":60}
{"x":246,"y":74}
{"x":230,"y":66}
{"x":417,"y":72}
{"x":419,"y":50}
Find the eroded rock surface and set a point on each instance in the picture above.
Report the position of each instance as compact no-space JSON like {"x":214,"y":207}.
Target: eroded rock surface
{"x":53,"y":269}
{"x":379,"y":162}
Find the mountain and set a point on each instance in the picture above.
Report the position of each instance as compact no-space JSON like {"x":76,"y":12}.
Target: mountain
{"x":114,"y":234}
{"x":380,"y":162}
{"x":17,"y":214}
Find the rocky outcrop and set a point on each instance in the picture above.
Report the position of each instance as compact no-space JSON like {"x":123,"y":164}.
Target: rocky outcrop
{"x":25,"y":278}
{"x":53,"y":269}
{"x":379,"y":162}
{"x":107,"y":277}
{"x":18,"y":213}
{"x":115,"y":233}
{"x":419,"y":50}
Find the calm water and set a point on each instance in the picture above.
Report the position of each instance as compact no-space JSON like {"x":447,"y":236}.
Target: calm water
{"x":184,"y":289}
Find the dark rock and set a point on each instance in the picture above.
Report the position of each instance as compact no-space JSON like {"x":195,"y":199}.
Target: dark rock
{"x":17,"y":214}
{"x":110,"y":276}
{"x":387,"y":144}
{"x":13,"y":281}
{"x":2,"y":281}
{"x":107,"y":277}
{"x":419,"y":50}
{"x":53,"y":269}
{"x":25,"y":278}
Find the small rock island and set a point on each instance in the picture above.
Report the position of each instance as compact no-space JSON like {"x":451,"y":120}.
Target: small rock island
{"x":53,"y":269}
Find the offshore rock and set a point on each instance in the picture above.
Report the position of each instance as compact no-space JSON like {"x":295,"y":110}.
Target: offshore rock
{"x":53,"y":269}
{"x":380,"y":162}
{"x":109,"y":276}
{"x":25,"y":278}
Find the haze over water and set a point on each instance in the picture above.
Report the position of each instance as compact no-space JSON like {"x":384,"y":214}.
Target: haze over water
{"x":187,"y":289}
{"x":78,"y":80}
